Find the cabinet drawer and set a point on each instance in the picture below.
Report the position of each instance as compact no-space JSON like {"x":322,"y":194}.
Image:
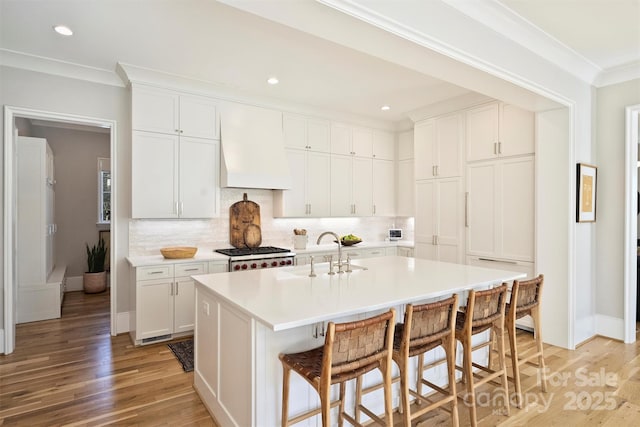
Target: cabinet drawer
{"x":154,"y":272}
{"x":186,"y":270}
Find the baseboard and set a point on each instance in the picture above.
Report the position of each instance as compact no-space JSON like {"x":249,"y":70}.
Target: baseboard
{"x":1,"y":341}
{"x":74,"y":283}
{"x":610,"y":327}
{"x":122,"y":323}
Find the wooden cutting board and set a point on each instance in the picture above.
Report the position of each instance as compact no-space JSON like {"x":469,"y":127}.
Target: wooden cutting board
{"x":244,"y":224}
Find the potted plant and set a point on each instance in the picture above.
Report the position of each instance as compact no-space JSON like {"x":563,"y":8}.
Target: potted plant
{"x":95,"y":279}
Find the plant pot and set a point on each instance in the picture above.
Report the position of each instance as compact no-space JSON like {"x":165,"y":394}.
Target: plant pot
{"x":94,"y":283}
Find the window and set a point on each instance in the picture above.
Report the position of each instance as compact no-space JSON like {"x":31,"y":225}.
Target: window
{"x":104,"y":191}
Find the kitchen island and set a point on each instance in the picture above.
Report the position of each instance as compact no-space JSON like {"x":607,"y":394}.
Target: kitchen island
{"x":245,"y":319}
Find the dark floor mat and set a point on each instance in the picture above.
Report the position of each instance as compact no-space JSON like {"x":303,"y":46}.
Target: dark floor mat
{"x":183,"y":351}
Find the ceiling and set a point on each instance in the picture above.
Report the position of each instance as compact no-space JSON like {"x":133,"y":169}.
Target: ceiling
{"x":216,"y":43}
{"x":605,"y":32}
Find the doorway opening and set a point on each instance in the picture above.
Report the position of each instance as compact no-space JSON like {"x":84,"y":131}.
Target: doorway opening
{"x":62,"y":131}
{"x":631,"y":222}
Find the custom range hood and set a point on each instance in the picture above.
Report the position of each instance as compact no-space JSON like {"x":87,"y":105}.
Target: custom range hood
{"x":252,"y":154}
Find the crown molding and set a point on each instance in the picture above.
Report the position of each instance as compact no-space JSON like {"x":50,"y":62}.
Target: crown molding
{"x":448,"y":106}
{"x":497,"y":16}
{"x":619,"y":74}
{"x":41,"y":64}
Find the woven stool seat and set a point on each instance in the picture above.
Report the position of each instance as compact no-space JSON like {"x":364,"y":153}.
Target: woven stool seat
{"x":350,"y":350}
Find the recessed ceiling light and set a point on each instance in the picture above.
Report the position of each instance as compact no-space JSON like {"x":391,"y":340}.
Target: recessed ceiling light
{"x":63,"y":29}
{"x":385,"y":108}
{"x":273,"y":80}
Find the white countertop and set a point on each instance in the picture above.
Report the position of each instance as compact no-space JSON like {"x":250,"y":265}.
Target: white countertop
{"x":206,"y":254}
{"x":201,"y":255}
{"x":284,"y":298}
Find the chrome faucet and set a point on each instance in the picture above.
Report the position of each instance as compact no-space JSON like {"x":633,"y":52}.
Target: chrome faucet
{"x":339,"y":263}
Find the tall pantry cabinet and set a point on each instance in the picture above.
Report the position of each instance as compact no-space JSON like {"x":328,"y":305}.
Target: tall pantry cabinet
{"x":438,"y":144}
{"x":40,"y":281}
{"x":500,"y":197}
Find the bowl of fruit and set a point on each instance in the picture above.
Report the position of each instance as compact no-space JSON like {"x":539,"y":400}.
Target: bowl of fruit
{"x":350,"y":240}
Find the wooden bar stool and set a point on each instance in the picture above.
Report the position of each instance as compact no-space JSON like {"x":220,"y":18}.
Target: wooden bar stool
{"x":525,"y":300}
{"x":426,"y":327}
{"x":484,"y":311}
{"x":350,"y":350}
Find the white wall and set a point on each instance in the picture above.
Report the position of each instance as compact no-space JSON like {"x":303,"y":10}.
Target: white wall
{"x":27,"y":89}
{"x":610,"y":137}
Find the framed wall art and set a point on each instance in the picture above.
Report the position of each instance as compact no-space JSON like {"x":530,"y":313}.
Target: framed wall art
{"x":586,"y":195}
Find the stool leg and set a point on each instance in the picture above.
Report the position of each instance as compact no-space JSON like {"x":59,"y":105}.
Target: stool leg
{"x":285,"y":396}
{"x":388,"y":398}
{"x":467,"y":369}
{"x":449,"y":345}
{"x":515,"y":365}
{"x":325,"y":404}
{"x":341,"y":407}
{"x":404,"y":393}
{"x":535,"y":315}
{"x":419,"y":377}
{"x":358,"y":398}
{"x":503,"y":366}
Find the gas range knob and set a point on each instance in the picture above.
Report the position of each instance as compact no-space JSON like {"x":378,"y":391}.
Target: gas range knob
{"x":254,"y":265}
{"x":244,"y":266}
{"x":264,"y":265}
{"x":282,"y":262}
{"x":236,"y":267}
{"x":274,"y":263}
{"x":289,"y":262}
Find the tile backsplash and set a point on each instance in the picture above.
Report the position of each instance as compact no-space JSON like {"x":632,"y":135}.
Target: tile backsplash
{"x":146,"y":237}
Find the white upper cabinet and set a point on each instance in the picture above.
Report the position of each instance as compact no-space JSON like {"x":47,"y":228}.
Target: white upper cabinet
{"x":198,"y":180}
{"x":340,"y":139}
{"x":175,"y":155}
{"x":438,"y":147}
{"x":384,"y":146}
{"x":405,"y":189}
{"x":497,"y":129}
{"x":154,"y":176}
{"x":349,"y":140}
{"x":170,"y":112}
{"x":305,"y":133}
{"x":383,"y":188}
{"x":362,"y":142}
{"x":351,"y":186}
{"x":309,"y":194}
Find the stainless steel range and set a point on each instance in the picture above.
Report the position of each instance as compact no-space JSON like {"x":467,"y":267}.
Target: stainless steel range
{"x":256,"y":258}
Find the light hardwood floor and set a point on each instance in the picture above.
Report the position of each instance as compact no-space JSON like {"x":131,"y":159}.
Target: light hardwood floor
{"x":70,"y":371}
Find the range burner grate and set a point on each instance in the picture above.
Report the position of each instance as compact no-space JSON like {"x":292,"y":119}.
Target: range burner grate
{"x":261,"y":250}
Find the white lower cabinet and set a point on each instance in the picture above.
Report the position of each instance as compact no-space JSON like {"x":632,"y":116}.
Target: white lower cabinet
{"x":438,"y":221}
{"x":404,"y":251}
{"x":164,"y":301}
{"x":500,"y":213}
